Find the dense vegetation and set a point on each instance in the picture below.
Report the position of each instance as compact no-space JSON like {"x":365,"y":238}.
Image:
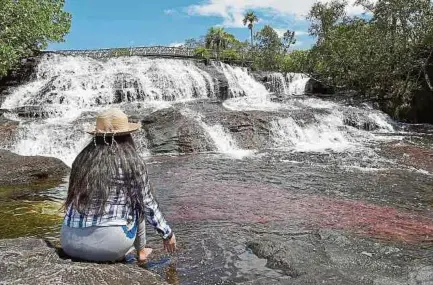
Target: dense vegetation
{"x":384,"y":55}
{"x":26,"y":26}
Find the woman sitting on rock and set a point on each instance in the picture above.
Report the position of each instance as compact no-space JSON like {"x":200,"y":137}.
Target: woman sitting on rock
{"x":109,"y":197}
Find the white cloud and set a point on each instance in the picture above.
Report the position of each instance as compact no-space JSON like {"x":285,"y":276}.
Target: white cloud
{"x":170,"y":11}
{"x":176,"y":44}
{"x":232,"y":11}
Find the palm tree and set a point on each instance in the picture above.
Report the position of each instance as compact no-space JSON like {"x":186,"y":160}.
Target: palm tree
{"x":217,"y":39}
{"x":250,"y":18}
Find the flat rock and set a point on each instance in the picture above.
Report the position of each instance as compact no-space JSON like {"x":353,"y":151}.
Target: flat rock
{"x":31,"y":261}
{"x":19,"y":172}
{"x":330,"y":257}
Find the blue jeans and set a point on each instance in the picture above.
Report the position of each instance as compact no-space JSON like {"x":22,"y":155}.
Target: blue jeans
{"x":103,"y":243}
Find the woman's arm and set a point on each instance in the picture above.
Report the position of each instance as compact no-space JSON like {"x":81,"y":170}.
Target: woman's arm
{"x":154,"y":215}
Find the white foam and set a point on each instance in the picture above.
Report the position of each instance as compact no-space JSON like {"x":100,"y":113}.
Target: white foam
{"x":220,"y":136}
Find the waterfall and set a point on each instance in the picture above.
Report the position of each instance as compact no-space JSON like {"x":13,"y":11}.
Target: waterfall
{"x":291,"y":84}
{"x":296,"y":83}
{"x":60,"y":102}
{"x":221,"y":138}
{"x":241,"y":83}
{"x":66,"y":88}
{"x":68,"y":85}
{"x":327,"y":131}
{"x":247,"y":94}
{"x":278,"y":83}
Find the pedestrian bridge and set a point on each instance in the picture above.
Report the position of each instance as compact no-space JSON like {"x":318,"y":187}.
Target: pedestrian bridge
{"x":153,"y":51}
{"x":161,"y":51}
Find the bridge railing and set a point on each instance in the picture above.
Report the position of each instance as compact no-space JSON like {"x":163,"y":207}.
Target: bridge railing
{"x":135,"y":51}
{"x":157,"y":51}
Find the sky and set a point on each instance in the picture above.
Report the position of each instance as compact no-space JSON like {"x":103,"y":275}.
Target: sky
{"x":114,"y":23}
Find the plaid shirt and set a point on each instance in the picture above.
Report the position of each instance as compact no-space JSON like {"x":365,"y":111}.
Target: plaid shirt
{"x":118,"y":213}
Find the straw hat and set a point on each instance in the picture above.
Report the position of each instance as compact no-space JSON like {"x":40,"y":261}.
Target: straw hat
{"x":113,"y":122}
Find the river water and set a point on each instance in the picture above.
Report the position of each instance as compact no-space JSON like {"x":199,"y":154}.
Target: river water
{"x":335,"y":193}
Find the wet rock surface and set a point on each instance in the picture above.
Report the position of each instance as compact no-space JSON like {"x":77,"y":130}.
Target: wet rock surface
{"x":33,"y":261}
{"x":170,"y":131}
{"x":8,"y":130}
{"x":419,"y":157}
{"x":251,"y":130}
{"x":331,"y":257}
{"x":19,"y":174}
{"x":221,"y":83}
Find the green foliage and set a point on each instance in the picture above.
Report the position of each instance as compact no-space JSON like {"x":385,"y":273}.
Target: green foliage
{"x":27,"y":26}
{"x":202,"y":52}
{"x":323,"y":16}
{"x":288,"y":40}
{"x":230,"y":55}
{"x":384,"y":55}
{"x":296,"y":61}
{"x":120,"y":52}
{"x":217,"y":39}
{"x":268,"y":50}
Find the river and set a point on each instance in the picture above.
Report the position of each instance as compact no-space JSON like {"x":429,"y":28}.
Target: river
{"x":287,"y":189}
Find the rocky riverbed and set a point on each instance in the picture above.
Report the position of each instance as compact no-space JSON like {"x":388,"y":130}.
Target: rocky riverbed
{"x":260,"y":187}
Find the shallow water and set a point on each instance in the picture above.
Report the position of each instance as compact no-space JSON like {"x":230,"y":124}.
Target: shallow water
{"x":217,"y":204}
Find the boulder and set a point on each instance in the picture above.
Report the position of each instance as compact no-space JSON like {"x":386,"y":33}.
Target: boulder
{"x":360,"y":120}
{"x":21,"y":174}
{"x":34,"y":261}
{"x":250,"y":129}
{"x":170,"y":131}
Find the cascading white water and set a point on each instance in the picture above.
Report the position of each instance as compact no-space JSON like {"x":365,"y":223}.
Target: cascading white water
{"x":221,"y":138}
{"x":278,"y":82}
{"x":72,"y":89}
{"x":70,"y":84}
{"x":290,"y":84}
{"x":247,"y":93}
{"x":296,"y":83}
{"x":67,"y":87}
{"x":241,"y":83}
{"x":324,"y":132}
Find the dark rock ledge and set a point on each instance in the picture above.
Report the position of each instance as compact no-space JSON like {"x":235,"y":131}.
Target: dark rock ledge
{"x":20,"y":175}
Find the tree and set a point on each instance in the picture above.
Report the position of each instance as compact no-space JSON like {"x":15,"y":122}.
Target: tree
{"x":387,"y":56}
{"x":27,"y":26}
{"x":324,"y":16}
{"x":218,"y":39}
{"x":250,"y":18}
{"x":269,"y":49}
{"x":296,"y":61}
{"x":288,"y":40}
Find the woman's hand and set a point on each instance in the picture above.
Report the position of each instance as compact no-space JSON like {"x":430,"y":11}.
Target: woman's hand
{"x":170,"y":244}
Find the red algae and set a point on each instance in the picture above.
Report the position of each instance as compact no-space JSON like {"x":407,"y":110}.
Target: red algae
{"x":262,"y":204}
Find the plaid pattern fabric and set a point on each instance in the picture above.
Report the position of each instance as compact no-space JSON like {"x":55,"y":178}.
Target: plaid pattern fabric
{"x":118,"y":213}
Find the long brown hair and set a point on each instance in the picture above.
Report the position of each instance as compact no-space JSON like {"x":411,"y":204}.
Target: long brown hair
{"x":105,"y":165}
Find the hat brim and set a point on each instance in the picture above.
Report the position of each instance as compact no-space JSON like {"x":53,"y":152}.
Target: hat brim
{"x":132,"y":127}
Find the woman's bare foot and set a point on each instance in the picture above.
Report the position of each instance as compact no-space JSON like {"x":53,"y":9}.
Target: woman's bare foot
{"x":144,"y":254}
